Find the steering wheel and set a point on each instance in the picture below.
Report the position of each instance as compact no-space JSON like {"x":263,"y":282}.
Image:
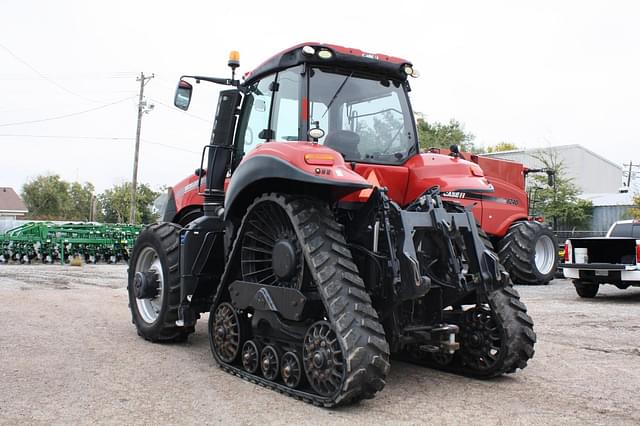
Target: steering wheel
{"x":385,"y":149}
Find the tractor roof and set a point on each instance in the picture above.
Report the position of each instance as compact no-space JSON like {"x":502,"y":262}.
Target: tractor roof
{"x":340,"y":57}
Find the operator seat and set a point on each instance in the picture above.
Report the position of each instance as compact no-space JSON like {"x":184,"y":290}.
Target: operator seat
{"x":345,"y":142}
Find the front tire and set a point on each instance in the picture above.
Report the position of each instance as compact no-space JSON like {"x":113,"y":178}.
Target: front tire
{"x":154,"y":284}
{"x":586,"y":289}
{"x":529,"y":253}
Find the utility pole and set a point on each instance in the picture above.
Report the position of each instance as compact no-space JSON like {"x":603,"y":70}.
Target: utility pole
{"x":631,"y":173}
{"x":142,"y":109}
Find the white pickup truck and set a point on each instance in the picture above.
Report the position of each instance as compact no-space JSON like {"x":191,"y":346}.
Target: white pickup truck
{"x":614,"y":259}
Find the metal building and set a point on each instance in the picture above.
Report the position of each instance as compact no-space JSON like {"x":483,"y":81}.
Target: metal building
{"x":608,"y":208}
{"x":591,"y":172}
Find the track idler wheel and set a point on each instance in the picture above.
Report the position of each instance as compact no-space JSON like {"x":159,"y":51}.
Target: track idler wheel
{"x":269,"y":362}
{"x":291,"y":369}
{"x":226,"y":332}
{"x":323,"y":361}
{"x":250,"y":356}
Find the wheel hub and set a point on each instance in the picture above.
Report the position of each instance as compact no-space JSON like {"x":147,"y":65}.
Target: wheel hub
{"x":319,"y":359}
{"x":145,"y":285}
{"x":221,"y":332}
{"x":284,"y":259}
{"x":475,"y":339}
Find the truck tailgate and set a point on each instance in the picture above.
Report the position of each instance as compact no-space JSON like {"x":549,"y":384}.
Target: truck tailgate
{"x":604,"y":253}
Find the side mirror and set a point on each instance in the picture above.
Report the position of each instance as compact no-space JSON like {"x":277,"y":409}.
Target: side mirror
{"x":183,"y":95}
{"x":200,"y":172}
{"x":551,"y":178}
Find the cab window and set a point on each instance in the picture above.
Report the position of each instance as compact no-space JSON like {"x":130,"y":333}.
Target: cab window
{"x":274,"y":98}
{"x":286,"y":106}
{"x":255,"y":120}
{"x":621,"y":230}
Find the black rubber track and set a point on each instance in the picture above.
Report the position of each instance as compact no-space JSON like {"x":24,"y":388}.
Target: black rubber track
{"x":517,"y":252}
{"x":164,"y":237}
{"x":348,"y":306}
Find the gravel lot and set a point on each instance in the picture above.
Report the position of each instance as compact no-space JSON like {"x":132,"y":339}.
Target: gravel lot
{"x":69,"y":354}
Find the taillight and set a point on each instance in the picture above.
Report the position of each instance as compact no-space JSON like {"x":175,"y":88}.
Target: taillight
{"x":567,"y":252}
{"x":319,"y":159}
{"x":637,"y":252}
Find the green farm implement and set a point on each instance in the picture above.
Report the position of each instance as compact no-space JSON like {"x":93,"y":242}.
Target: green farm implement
{"x":48,"y":242}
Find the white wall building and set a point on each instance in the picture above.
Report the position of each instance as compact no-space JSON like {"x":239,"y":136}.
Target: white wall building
{"x":591,"y":172}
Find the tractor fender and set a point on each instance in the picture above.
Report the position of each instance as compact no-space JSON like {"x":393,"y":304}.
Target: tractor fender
{"x":266,"y":173}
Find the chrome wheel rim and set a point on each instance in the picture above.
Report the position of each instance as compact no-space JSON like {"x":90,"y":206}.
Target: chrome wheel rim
{"x":148,"y":261}
{"x":545,"y":254}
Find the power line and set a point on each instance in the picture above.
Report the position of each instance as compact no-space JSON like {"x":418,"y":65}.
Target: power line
{"x":50,"y":80}
{"x":181,"y":112}
{"x":113,"y":138}
{"x":72,"y":114}
{"x":61,"y":75}
{"x":70,"y":77}
{"x":67,"y":137}
{"x":170,"y":146}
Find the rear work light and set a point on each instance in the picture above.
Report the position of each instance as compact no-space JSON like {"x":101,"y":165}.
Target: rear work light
{"x":319,"y":159}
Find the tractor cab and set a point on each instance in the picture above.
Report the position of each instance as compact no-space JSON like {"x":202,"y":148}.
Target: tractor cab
{"x":365,"y":117}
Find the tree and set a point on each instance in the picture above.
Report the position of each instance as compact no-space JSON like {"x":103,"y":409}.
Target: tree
{"x":80,"y":201}
{"x":46,"y":197}
{"x":116,"y":203}
{"x":635,"y":210}
{"x":559,"y":202}
{"x":438,"y":135}
{"x":50,"y":197}
{"x":502,"y":146}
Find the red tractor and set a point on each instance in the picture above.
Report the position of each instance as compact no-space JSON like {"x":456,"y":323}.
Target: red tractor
{"x":526,"y":247}
{"x":324,"y":245}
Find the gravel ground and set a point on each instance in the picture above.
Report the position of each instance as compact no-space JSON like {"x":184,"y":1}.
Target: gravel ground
{"x":69,"y":354}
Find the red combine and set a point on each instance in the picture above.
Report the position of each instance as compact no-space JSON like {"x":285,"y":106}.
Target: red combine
{"x":527,"y":248}
{"x":324,"y":245}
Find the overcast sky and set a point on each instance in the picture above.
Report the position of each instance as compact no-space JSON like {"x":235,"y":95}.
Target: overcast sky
{"x":532,"y":73}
